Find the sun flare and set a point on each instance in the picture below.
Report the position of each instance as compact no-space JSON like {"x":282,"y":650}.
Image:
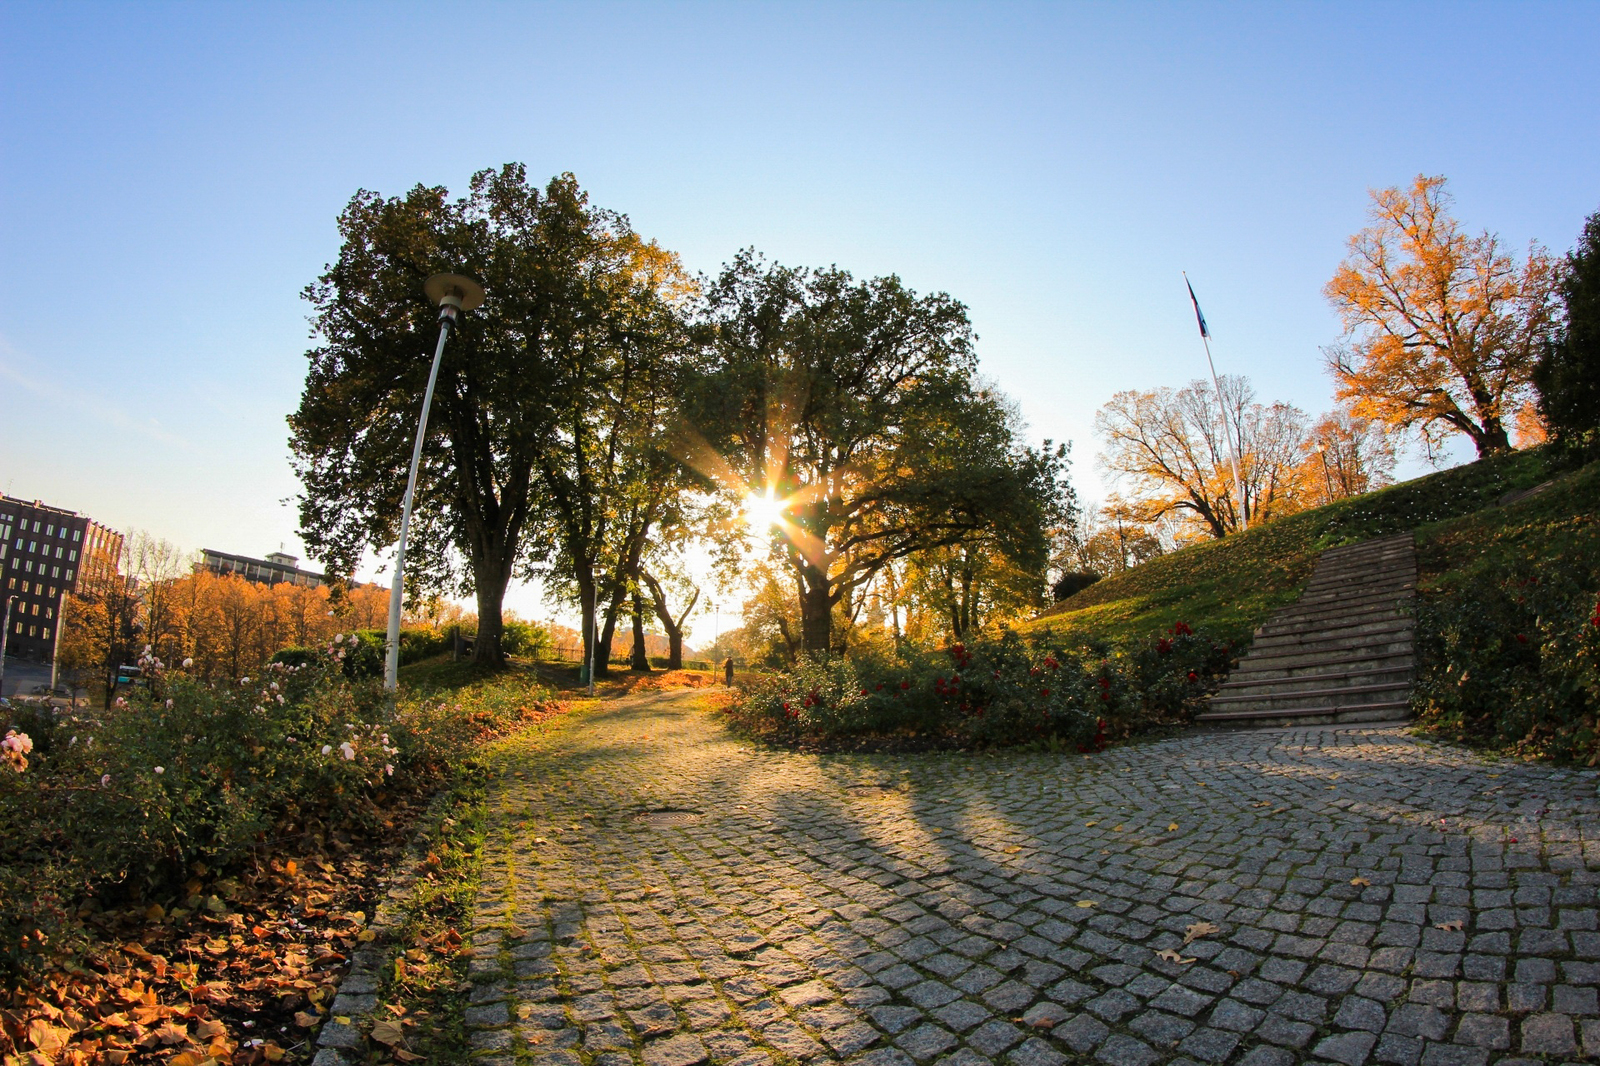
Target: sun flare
{"x":764,"y":510}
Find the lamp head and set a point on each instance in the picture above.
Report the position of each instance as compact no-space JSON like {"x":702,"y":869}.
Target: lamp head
{"x":454,"y":290}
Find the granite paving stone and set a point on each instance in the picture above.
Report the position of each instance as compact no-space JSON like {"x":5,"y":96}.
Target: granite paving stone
{"x":657,"y":890}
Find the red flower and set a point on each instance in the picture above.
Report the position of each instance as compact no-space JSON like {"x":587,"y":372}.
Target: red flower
{"x":1105,"y":697}
{"x":1044,"y":692}
{"x":905,"y":684}
{"x":1521,"y":639}
{"x":1193,"y":677}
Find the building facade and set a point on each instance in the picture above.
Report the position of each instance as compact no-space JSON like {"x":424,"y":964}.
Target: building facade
{"x":276,"y":568}
{"x":45,"y":553}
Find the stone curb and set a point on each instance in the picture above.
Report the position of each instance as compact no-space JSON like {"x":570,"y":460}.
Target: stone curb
{"x":357,"y":993}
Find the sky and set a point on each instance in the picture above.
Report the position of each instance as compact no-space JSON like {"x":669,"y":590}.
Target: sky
{"x":171,"y":174}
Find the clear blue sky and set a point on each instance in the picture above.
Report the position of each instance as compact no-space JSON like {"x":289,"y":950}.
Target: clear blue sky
{"x":170,"y":176}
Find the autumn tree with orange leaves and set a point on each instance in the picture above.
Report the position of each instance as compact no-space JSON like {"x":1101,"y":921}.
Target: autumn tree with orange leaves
{"x":1441,"y":329}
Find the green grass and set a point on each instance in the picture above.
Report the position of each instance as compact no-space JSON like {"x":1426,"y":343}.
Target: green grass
{"x":1229,"y":587}
{"x":1558,"y":527}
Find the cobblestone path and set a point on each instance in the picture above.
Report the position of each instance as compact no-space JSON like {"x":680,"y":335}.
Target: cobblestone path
{"x":1376,"y":899}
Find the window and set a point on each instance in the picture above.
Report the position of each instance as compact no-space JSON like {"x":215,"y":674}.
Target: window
{"x":55,"y":571}
{"x":36,"y":525}
{"x":12,"y":584}
{"x":72,"y":556}
{"x":46,"y":632}
{"x":35,"y":611}
{"x":52,"y":592}
{"x":19,"y":629}
{"x":28,"y":565}
{"x":69,"y":575}
{"x":33,"y":546}
{"x":50,"y":530}
{"x":77,"y":535}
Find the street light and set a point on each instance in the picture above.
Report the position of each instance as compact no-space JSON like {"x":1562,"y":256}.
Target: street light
{"x":453,"y":293}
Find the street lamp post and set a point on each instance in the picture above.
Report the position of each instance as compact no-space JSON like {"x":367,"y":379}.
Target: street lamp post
{"x":454,"y":294}
{"x":5,"y":631}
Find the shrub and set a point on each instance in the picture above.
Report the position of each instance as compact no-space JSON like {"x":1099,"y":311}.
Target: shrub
{"x":1512,"y":659}
{"x":528,"y":640}
{"x":188,"y":771}
{"x":1069,"y":585}
{"x":993,"y":692}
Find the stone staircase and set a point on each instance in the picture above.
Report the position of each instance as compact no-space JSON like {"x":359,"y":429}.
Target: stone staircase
{"x":1343,"y":653}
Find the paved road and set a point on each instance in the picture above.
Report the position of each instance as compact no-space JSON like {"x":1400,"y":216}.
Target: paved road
{"x":1376,"y":899}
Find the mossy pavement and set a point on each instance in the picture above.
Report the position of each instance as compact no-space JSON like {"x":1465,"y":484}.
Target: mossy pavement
{"x":657,"y":891}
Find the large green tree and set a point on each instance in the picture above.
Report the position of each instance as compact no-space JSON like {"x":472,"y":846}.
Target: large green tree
{"x":573,"y":293}
{"x":855,"y":405}
{"x":1568,"y":372}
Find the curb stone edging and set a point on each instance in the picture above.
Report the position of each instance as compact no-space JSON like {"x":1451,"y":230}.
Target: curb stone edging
{"x":357,"y":993}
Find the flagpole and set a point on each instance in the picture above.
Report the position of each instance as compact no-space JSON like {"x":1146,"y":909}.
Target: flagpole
{"x":1235,"y":443}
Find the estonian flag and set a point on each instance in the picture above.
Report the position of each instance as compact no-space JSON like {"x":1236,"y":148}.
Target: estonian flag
{"x":1198,"y":317}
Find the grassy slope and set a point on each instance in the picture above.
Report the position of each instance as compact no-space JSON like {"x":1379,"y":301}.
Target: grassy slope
{"x":1229,"y":587}
{"x":1558,"y":527}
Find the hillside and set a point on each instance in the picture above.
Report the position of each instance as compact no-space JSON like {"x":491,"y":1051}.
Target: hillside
{"x":1229,"y":587}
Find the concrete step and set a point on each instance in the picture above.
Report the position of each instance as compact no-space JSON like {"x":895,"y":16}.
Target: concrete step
{"x":1343,"y":696}
{"x":1336,"y":625}
{"x":1295,"y":621}
{"x":1370,"y":645}
{"x":1238,"y":684}
{"x":1390,"y":711}
{"x":1259,"y":671}
{"x":1363,"y":584}
{"x":1356,"y":602}
{"x":1335,"y":636}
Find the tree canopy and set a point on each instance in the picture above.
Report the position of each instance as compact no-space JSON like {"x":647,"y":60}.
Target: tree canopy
{"x":1568,"y":372}
{"x":854,"y":406}
{"x":576,"y":300}
{"x":1442,"y":328}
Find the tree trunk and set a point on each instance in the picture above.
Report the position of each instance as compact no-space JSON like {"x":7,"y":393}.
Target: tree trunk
{"x":641,"y":655}
{"x":816,"y":612}
{"x":486,"y":647}
{"x":602,"y":657}
{"x":673,"y":626}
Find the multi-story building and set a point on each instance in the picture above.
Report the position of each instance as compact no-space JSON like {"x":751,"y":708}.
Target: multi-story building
{"x":276,"y":568}
{"x":45,"y":553}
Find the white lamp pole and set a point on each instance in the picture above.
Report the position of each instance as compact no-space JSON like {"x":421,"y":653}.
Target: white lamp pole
{"x":5,"y":631}
{"x":454,"y":294}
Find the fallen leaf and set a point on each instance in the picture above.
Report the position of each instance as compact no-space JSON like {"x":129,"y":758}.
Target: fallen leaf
{"x":155,"y":912}
{"x":1173,"y":828}
{"x":1086,"y":903}
{"x":1012,"y":850}
{"x":1198,"y":930}
{"x":1450,"y":927}
{"x":366,"y":936}
{"x":403,"y":1055}
{"x":387,"y":1032}
{"x":46,"y":1037}
{"x":1172,"y":956}
{"x":306,"y":1020}
{"x":185,"y":1058}
{"x":1090,"y":825}
{"x":1116,"y":829}
{"x":1360,"y":882}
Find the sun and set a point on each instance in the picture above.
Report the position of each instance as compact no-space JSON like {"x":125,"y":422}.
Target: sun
{"x":764,"y":510}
